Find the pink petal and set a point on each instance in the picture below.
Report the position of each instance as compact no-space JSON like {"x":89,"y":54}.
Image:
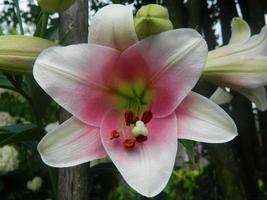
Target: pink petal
{"x":148,"y":166}
{"x":202,"y":120}
{"x":172,"y":61}
{"x":75,"y":77}
{"x":70,"y":144}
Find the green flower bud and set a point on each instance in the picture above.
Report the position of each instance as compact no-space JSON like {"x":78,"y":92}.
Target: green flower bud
{"x":55,"y":5}
{"x":152,"y":19}
{"x":18,"y":53}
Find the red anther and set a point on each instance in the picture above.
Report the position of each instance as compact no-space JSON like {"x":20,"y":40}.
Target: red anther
{"x":129,"y":143}
{"x":135,"y":119}
{"x":141,"y":138}
{"x":147,"y":116}
{"x":114,"y":134}
{"x":128,"y":117}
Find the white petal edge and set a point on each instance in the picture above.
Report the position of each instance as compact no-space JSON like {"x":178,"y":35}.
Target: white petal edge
{"x":113,"y":26}
{"x":70,"y":144}
{"x":257,"y":96}
{"x":240,"y":31}
{"x":220,"y":96}
{"x":202,"y":120}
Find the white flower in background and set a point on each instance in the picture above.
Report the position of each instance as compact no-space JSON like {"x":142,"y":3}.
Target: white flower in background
{"x":241,"y":65}
{"x":8,"y":159}
{"x":6,"y":119}
{"x":51,"y":127}
{"x":35,"y":184}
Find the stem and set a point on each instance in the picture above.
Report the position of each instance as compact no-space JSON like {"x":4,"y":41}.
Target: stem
{"x":18,"y":88}
{"x":16,"y":2}
{"x":44,"y":22}
{"x":28,"y":98}
{"x":53,"y":180}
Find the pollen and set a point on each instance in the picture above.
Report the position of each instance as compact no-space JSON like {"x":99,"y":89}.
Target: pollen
{"x":129,"y":143}
{"x":114,"y":134}
{"x":147,"y":116}
{"x":141,"y":138}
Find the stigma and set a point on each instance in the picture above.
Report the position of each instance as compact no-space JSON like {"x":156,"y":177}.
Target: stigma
{"x":139,"y":129}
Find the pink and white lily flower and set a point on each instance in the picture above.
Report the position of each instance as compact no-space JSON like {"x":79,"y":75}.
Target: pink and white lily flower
{"x":241,"y":65}
{"x":130,"y":99}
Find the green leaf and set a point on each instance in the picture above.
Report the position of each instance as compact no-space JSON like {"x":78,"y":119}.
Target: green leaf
{"x":4,"y":83}
{"x":20,"y":133}
{"x":189,"y":146}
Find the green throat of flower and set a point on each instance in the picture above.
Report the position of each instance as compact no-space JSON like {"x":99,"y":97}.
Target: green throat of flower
{"x":133,"y":97}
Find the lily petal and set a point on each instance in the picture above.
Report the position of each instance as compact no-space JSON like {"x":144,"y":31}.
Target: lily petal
{"x":240,"y":31}
{"x":174,"y":60}
{"x":256,"y":95}
{"x":113,"y":26}
{"x":220,"y":96}
{"x":72,"y":143}
{"x":256,"y":45}
{"x":208,"y":122}
{"x":148,"y":166}
{"x":237,"y":71}
{"x":74,"y":77}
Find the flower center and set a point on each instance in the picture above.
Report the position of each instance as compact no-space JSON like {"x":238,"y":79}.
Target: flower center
{"x":134,"y":98}
{"x":136,"y":126}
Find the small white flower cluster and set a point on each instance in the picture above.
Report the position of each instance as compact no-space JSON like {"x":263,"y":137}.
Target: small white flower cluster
{"x":8,"y":159}
{"x":6,"y":119}
{"x":35,"y":184}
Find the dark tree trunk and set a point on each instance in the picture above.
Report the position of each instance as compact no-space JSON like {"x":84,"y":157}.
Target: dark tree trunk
{"x":253,"y":12}
{"x":242,"y":114}
{"x":177,"y":11}
{"x":223,"y":156}
{"x":193,"y":12}
{"x":74,"y":182}
{"x":207,"y":24}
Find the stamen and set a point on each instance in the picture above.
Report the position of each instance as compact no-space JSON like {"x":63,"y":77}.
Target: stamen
{"x":114,"y":134}
{"x":135,"y":119}
{"x":141,"y":138}
{"x":147,"y":116}
{"x":129,"y":143}
{"x":129,"y":116}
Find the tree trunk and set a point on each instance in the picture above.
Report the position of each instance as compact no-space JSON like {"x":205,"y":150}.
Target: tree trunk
{"x":177,"y":12}
{"x":242,"y":115}
{"x":223,"y":156}
{"x":253,"y":12}
{"x":73,"y":182}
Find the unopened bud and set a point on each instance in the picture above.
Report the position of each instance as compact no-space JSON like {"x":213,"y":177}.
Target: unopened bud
{"x":18,"y":53}
{"x":152,"y":19}
{"x":55,"y":5}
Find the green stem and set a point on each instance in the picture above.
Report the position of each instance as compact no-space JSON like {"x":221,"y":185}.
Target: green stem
{"x":53,"y":180}
{"x":44,"y":22}
{"x":16,"y":2}
{"x":27,"y":97}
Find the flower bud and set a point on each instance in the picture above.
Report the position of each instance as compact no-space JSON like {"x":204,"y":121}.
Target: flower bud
{"x":152,"y":19}
{"x":55,"y":5}
{"x":18,"y":53}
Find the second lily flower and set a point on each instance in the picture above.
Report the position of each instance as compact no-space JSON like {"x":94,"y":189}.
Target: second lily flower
{"x":242,"y":64}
